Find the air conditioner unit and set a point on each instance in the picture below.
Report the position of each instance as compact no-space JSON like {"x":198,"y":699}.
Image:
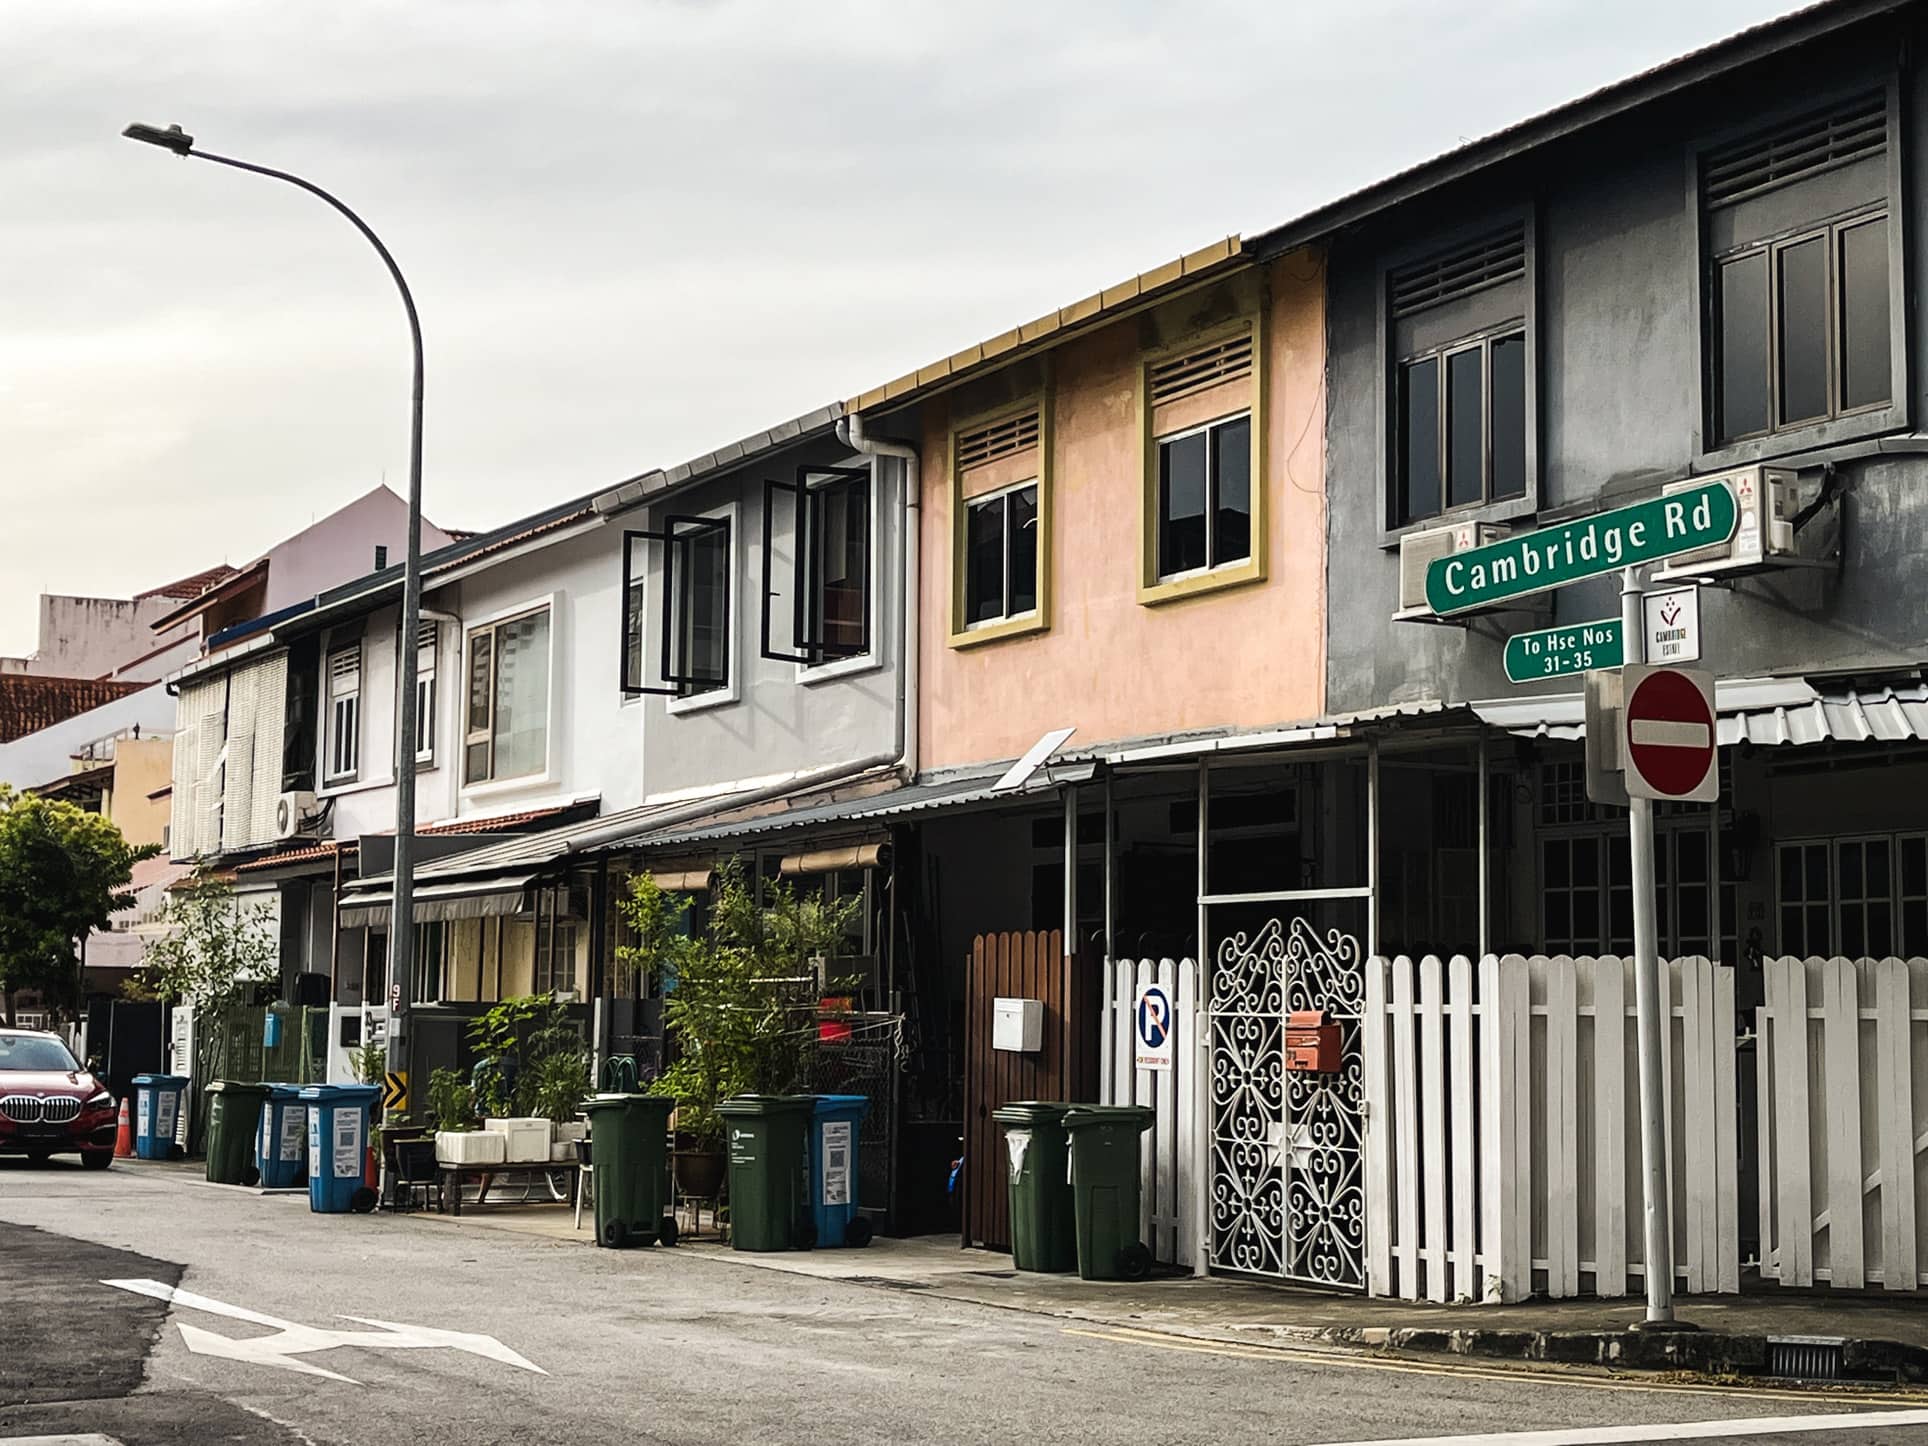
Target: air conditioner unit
{"x":292,"y":814}
{"x":1764,"y":534}
{"x":1419,"y":550}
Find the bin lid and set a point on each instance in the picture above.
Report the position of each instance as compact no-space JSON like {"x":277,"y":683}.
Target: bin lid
{"x":236,"y":1087}
{"x":281,"y":1089}
{"x":648,"y":1104}
{"x":325,"y":1093}
{"x":1131,"y":1116}
{"x":173,"y":1080}
{"x":856,"y":1106}
{"x":1031,"y":1112}
{"x":755,"y":1106}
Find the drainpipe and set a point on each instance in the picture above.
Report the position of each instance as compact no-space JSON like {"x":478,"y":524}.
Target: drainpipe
{"x":850,"y":431}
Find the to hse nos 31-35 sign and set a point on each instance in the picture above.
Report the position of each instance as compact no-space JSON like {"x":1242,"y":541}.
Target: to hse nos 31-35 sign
{"x":1648,"y":531}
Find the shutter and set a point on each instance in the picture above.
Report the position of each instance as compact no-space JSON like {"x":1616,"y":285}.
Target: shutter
{"x":1491,"y":260}
{"x":187,"y":732}
{"x":1005,"y":438}
{"x":1817,"y":142}
{"x":207,"y":782}
{"x":1200,"y":370}
{"x":270,"y":728}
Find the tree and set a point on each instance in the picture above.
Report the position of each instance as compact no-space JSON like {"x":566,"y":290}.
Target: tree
{"x":64,"y":872}
{"x":213,"y":947}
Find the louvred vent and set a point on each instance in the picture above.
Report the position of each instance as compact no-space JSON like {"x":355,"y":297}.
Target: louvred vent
{"x":1196,"y":371}
{"x":1000,"y":439}
{"x":1797,"y":150}
{"x":1492,"y":260}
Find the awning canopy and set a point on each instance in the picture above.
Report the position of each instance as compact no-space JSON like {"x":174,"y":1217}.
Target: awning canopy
{"x":1766,"y":712}
{"x":465,"y":899}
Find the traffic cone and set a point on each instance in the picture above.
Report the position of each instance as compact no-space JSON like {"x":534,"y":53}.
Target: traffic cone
{"x":124,"y":1137}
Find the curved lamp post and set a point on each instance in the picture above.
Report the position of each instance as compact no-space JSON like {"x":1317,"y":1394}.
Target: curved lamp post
{"x":401,"y":934}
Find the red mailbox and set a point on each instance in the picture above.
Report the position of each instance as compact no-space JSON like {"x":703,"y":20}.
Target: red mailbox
{"x":1311,"y":1044}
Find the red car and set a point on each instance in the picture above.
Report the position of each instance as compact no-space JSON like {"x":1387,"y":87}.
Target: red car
{"x":49,"y":1105}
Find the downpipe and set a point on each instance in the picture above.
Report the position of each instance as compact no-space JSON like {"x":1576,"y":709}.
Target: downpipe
{"x":850,"y":431}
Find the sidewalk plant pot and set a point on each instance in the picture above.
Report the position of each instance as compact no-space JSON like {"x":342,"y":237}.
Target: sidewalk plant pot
{"x":699,"y":1173}
{"x":563,"y":1139}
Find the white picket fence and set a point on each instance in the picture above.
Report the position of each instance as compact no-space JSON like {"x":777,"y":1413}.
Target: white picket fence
{"x":1503,"y":1134}
{"x":1172,"y":1153}
{"x":1843,"y":1120}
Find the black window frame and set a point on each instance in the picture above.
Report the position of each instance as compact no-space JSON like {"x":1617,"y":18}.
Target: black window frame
{"x":1711,"y":450}
{"x":1440,"y":354}
{"x":809,"y":493}
{"x":1207,"y":430}
{"x":676,"y":678}
{"x":1001,"y":497}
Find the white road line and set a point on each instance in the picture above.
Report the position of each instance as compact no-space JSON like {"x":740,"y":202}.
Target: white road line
{"x":91,"y":1439}
{"x":1658,"y":731}
{"x":1668,"y":1431}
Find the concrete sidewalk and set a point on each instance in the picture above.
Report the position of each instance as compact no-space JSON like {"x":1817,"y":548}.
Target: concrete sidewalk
{"x":1882,"y":1337}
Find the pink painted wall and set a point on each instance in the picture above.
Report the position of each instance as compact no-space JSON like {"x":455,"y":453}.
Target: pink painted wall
{"x":341,"y":546}
{"x":1248,"y":656}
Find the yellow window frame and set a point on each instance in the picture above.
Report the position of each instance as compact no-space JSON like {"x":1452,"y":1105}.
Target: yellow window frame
{"x":963,"y":635}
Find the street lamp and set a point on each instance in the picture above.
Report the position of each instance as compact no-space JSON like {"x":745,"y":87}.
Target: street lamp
{"x":401,"y":931}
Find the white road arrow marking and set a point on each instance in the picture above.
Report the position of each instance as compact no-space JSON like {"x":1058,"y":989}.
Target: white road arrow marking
{"x":293,"y":1339}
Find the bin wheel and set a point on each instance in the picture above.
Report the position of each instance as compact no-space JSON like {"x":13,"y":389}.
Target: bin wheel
{"x":1134,"y":1261}
{"x":175,"y":1152}
{"x":666,"y":1231}
{"x":803,"y":1235}
{"x":615,"y":1235}
{"x":250,"y":1176}
{"x":858,"y":1233}
{"x":362,"y":1201}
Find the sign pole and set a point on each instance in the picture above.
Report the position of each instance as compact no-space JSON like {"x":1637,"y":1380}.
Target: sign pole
{"x":1646,"y":977}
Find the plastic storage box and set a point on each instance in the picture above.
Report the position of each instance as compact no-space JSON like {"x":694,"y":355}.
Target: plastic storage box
{"x":527,"y":1139}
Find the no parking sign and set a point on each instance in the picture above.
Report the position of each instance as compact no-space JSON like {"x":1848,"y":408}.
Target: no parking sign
{"x":1155,"y":1025}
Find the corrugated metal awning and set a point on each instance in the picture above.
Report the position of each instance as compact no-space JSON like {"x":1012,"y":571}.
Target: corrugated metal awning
{"x":1767,"y":712}
{"x":470,"y":899}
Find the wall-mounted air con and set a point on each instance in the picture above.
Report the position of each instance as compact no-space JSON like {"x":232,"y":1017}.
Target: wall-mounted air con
{"x":293,"y":814}
{"x":1419,"y":550}
{"x":1764,"y":534}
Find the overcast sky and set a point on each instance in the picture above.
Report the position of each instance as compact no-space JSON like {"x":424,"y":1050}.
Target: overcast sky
{"x":635,"y":230}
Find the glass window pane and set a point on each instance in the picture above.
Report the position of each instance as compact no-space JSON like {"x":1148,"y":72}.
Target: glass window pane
{"x":984,"y":561}
{"x":842,"y":513}
{"x":1880,"y":942}
{"x":1465,"y":434}
{"x":522,"y":697}
{"x":704,"y":608}
{"x":1817,"y":871}
{"x":1850,"y":865}
{"x":1509,"y":417}
{"x":1555,"y":865}
{"x":1914,"y":926}
{"x":1586,"y":919}
{"x":1232,"y":491}
{"x":1418,"y":440}
{"x":1181,"y":504}
{"x":1803,"y":335}
{"x":1743,"y":346}
{"x":1559,"y":922}
{"x":1864,"y":314}
{"x":479,"y":673}
{"x":1914,"y":866}
{"x":1022,"y":517}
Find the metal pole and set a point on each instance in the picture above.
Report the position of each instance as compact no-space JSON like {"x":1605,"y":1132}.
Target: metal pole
{"x":1646,"y":980}
{"x":1202,"y":1043}
{"x":401,"y":931}
{"x":1485,"y":859}
{"x":1372,"y":848}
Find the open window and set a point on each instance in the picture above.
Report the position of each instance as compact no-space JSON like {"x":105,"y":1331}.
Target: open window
{"x":694,"y":608}
{"x":829,"y":574}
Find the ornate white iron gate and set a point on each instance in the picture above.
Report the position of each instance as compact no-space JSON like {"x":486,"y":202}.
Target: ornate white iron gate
{"x":1287,"y":1187}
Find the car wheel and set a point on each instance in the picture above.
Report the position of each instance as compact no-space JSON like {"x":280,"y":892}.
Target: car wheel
{"x":96,"y":1159}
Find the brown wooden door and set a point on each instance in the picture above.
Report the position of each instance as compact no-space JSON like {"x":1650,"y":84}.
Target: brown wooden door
{"x":1019,"y":966}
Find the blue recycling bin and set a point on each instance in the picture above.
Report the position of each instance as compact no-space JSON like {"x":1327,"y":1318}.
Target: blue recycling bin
{"x":281,"y":1144}
{"x":835,"y":1125}
{"x":158,"y":1100}
{"x":338,"y":1146}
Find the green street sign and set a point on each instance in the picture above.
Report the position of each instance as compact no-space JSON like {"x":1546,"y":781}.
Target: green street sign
{"x":1555,"y":652}
{"x":1555,"y":556}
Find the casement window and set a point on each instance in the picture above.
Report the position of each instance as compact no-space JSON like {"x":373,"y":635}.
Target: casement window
{"x":555,"y":942}
{"x":506,"y":733}
{"x":1860,"y":897}
{"x":1460,"y":383}
{"x":695,"y":607}
{"x":1000,"y":497}
{"x":1202,"y":524}
{"x":343,"y":741}
{"x":1800,"y":282}
{"x":427,"y":643}
{"x":828,"y":581}
{"x":1001,"y":555}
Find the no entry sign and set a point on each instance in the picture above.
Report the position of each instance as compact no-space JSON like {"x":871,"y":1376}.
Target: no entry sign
{"x":1669,"y":748}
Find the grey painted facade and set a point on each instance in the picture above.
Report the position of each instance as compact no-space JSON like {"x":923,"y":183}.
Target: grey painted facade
{"x":1617,"y":336}
{"x":775,"y":719}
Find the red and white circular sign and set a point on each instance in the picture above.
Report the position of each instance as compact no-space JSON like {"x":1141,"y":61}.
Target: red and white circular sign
{"x":1671,"y":734}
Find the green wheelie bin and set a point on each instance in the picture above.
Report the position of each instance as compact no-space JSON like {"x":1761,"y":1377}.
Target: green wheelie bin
{"x":1104,"y":1180}
{"x":234,"y":1118}
{"x":1043,"y":1226}
{"x":627,"y":1139}
{"x":769,"y":1199}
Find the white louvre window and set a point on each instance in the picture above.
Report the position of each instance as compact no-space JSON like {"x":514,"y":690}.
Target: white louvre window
{"x":343,"y":743}
{"x":427,"y":641}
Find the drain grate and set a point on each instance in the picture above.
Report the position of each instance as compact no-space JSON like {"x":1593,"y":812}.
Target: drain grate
{"x":1805,"y":1358}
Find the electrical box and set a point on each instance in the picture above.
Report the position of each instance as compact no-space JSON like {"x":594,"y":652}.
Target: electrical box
{"x":1017,"y":1025}
{"x":1311,"y":1044}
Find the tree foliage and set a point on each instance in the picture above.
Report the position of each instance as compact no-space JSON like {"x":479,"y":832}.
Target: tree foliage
{"x":63,"y":873}
{"x":214,"y":948}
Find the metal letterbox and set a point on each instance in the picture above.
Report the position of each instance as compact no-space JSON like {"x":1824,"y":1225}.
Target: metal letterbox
{"x":1311,"y":1044}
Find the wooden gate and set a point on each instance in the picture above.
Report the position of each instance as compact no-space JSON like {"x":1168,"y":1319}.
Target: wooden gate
{"x":1018,"y":966}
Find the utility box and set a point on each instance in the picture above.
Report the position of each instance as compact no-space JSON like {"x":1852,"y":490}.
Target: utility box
{"x":1311,"y":1044}
{"x":1017,"y":1025}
